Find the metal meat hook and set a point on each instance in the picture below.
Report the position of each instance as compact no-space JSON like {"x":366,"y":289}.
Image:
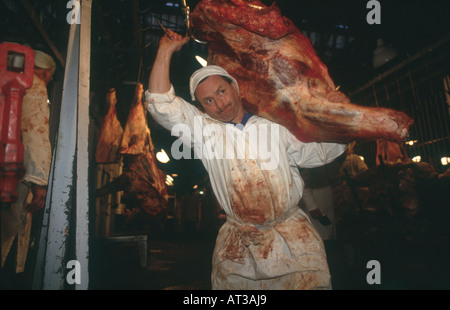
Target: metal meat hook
{"x":187,"y":13}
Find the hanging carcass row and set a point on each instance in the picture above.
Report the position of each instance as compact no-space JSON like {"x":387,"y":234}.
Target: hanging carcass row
{"x":141,"y":177}
{"x":281,"y":78}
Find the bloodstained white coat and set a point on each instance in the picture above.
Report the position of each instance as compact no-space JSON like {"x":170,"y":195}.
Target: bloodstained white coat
{"x":16,"y":221}
{"x":267,"y":242}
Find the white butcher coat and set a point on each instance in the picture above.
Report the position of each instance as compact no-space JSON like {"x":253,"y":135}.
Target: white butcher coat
{"x":16,"y":221}
{"x":267,"y":242}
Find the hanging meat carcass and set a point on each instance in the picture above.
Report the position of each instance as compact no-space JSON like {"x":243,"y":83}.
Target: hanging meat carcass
{"x":141,"y":177}
{"x":281,"y":77}
{"x":137,"y":144}
{"x":139,"y":182}
{"x":390,"y":152}
{"x":136,"y":137}
{"x":111,"y":132}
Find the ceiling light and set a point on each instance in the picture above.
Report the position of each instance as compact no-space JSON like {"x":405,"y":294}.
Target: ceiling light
{"x":203,"y":62}
{"x":417,"y":159}
{"x":411,"y":142}
{"x":162,"y":156}
{"x":445,"y":161}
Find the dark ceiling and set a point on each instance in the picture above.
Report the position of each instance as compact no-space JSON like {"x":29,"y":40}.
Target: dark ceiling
{"x":125,"y":36}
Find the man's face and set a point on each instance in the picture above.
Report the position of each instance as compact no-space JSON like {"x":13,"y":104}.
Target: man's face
{"x":220,"y":99}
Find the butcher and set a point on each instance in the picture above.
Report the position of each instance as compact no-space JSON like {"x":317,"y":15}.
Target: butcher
{"x":32,"y":188}
{"x":267,"y":242}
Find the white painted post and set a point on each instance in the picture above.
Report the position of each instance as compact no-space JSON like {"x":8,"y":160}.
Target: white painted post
{"x":68,"y":194}
{"x":61,"y":200}
{"x":82,"y":181}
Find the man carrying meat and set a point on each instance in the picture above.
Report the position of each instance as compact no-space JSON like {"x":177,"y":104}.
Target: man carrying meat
{"x":267,"y":242}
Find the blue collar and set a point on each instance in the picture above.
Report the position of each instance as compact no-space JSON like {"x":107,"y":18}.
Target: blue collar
{"x":244,"y":120}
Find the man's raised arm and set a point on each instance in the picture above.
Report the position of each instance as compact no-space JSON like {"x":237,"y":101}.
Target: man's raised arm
{"x":159,"y":81}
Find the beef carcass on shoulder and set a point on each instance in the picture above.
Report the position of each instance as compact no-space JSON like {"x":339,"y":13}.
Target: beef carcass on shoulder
{"x":282,"y":79}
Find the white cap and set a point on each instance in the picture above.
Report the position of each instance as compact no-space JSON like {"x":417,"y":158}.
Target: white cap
{"x":44,"y":61}
{"x":205,"y":72}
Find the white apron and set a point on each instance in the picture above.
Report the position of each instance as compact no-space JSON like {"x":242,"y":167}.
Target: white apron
{"x":267,"y":242}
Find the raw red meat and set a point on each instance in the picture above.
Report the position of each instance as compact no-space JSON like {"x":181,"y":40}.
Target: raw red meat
{"x":140,"y":181}
{"x":281,"y":78}
{"x":141,"y":177}
{"x":390,"y":152}
{"x":136,"y":137}
{"x":111,"y":132}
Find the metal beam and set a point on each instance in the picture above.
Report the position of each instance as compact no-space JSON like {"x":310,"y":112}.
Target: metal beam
{"x":138,"y":36}
{"x":42,"y":30}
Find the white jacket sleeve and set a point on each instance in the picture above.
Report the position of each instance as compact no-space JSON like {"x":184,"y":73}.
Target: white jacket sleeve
{"x":169,"y":110}
{"x":313,"y":154}
{"x":175,"y":114}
